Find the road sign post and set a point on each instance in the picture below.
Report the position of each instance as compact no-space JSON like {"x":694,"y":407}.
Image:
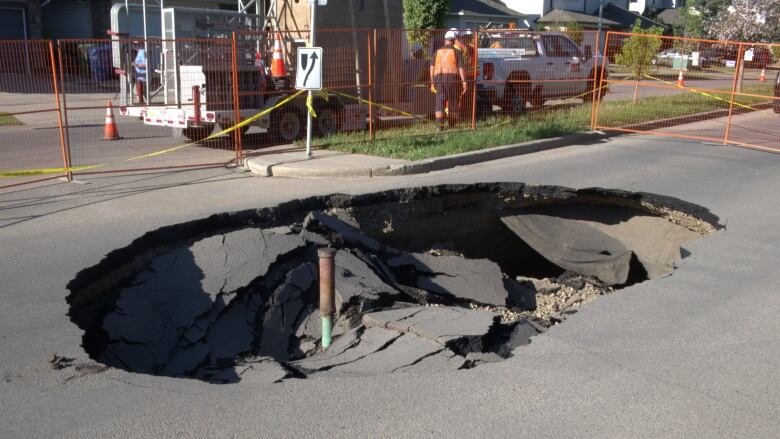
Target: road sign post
{"x":312,"y":41}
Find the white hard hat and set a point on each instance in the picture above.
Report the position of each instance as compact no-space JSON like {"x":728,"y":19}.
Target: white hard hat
{"x":451,"y":35}
{"x":467,"y":32}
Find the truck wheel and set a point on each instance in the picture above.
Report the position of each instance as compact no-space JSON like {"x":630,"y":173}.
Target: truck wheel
{"x":287,"y":126}
{"x":327,"y":121}
{"x":517,"y":100}
{"x":591,"y":95}
{"x":198,"y":133}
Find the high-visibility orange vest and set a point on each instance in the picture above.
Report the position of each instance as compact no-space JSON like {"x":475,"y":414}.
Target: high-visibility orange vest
{"x":446,"y":61}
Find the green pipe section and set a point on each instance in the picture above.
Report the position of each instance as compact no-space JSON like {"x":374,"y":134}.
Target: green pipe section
{"x":327,"y":328}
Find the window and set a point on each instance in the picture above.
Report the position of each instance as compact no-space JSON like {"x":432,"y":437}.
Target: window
{"x":559,"y":47}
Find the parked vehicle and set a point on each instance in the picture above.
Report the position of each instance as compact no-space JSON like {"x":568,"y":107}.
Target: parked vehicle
{"x":762,"y":56}
{"x":524,"y":67}
{"x":676,"y":58}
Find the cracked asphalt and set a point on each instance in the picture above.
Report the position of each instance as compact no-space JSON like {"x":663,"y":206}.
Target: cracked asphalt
{"x":693,"y":354}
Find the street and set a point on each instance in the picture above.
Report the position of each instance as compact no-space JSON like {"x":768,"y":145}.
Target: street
{"x":693,"y":354}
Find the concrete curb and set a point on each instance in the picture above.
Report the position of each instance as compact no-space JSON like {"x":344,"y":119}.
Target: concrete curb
{"x":486,"y":155}
{"x":265,"y":169}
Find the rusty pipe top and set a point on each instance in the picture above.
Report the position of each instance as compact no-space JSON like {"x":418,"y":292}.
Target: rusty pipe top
{"x":327,"y":281}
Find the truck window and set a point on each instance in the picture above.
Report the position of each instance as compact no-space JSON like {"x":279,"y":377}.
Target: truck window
{"x":559,"y":47}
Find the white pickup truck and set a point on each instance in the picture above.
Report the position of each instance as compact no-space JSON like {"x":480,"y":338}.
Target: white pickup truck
{"x":521,"y":67}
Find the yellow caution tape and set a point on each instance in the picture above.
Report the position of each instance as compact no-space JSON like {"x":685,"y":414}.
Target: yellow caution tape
{"x":384,"y":107}
{"x":693,"y":90}
{"x":309,"y":100}
{"x":45,"y":171}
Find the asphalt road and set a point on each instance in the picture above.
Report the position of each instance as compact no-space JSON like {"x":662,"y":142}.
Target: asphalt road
{"x":690,"y":355}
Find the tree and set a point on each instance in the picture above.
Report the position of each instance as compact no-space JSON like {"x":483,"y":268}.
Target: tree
{"x":749,"y":20}
{"x":700,"y":15}
{"x":639,"y":50}
{"x":424,"y":14}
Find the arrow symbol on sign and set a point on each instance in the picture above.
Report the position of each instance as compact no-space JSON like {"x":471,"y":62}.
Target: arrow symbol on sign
{"x":314,"y":59}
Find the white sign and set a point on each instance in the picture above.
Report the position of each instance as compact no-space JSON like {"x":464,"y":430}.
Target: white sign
{"x":749,"y":55}
{"x":319,"y":2}
{"x":309,"y":73}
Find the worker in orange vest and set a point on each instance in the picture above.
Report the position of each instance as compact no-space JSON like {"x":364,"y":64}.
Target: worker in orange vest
{"x":446,"y":71}
{"x":465,"y":44}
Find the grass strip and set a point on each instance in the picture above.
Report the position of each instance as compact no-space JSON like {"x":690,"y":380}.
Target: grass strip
{"x":421,"y":140}
{"x":8,"y":120}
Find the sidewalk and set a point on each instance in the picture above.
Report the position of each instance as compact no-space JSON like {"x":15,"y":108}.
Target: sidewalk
{"x":325,"y":163}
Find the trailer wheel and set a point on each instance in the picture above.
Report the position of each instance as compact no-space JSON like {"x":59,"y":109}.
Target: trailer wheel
{"x":327,"y":121}
{"x":198,"y":133}
{"x":286,"y":126}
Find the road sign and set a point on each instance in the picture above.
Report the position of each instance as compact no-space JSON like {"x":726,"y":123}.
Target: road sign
{"x":309,"y":73}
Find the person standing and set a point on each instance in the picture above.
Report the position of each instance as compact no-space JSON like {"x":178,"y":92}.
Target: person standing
{"x":140,"y":75}
{"x":466,"y":45}
{"x":446,"y":71}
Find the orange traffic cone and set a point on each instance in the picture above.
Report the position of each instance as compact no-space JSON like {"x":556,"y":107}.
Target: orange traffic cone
{"x":110,"y":131}
{"x":762,"y":78}
{"x":680,"y":79}
{"x":278,"y":69}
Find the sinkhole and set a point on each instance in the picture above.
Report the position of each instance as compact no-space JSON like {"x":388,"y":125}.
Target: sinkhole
{"x":428,"y":279}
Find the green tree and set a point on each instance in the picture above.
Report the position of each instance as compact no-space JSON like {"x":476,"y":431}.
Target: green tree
{"x":700,"y":15}
{"x":420,"y":15}
{"x":639,"y":50}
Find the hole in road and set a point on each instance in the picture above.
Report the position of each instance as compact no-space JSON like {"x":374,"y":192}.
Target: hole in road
{"x":428,"y":280}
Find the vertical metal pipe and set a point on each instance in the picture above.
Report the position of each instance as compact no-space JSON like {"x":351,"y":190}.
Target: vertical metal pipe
{"x":327,"y":292}
{"x":737,"y":69}
{"x":236,"y":104}
{"x":65,"y":149}
{"x":64,"y":115}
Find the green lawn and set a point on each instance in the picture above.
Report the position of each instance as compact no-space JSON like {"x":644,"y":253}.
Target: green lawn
{"x":7,"y":119}
{"x":421,"y":140}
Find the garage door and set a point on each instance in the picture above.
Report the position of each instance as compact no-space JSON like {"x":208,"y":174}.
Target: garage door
{"x":67,"y":19}
{"x":11,"y":24}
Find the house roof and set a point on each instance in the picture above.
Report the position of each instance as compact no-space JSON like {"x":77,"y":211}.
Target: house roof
{"x":486,"y":7}
{"x":561,"y":16}
{"x":627,"y":18}
{"x":671,"y":16}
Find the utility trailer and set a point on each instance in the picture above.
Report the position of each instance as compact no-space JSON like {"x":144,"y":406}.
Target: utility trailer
{"x":193,"y":62}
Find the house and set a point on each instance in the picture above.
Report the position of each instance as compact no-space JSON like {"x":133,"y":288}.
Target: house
{"x":475,"y":14}
{"x":543,"y":7}
{"x":641,"y":6}
{"x":58,"y":19}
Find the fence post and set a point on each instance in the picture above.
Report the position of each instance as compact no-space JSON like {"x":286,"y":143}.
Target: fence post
{"x":65,"y":151}
{"x":475,"y":44}
{"x":236,"y":104}
{"x":737,"y":69}
{"x":62,"y":111}
{"x":603,"y":65}
{"x":596,"y":83}
{"x":371,"y":70}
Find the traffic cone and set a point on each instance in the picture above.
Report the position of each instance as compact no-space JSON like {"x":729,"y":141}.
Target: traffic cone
{"x":680,"y":79}
{"x":110,"y":131}
{"x":762,"y":78}
{"x":278,"y":69}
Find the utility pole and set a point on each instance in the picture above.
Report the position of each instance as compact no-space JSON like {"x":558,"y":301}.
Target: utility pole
{"x":601,"y":15}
